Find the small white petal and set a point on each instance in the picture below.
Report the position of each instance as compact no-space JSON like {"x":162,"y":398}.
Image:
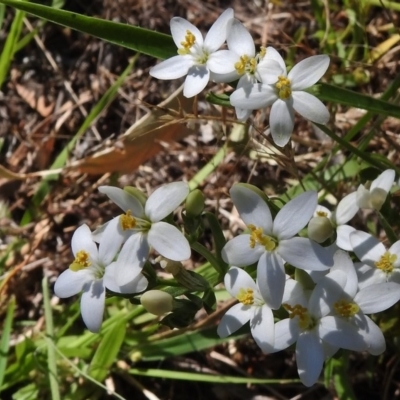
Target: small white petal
{"x":367,"y":248}
{"x":395,"y":249}
{"x":295,"y":215}
{"x":237,"y":279}
{"x":252,"y":207}
{"x":173,"y":68}
{"x":262,"y":329}
{"x":123,"y":200}
{"x":343,"y":233}
{"x":239,"y":40}
{"x":286,"y":333}
{"x":272,"y":54}
{"x":253,"y":97}
{"x":196,"y":80}
{"x":368,"y":275}
{"x":136,"y":285}
{"x":294,"y":293}
{"x":166,"y":199}
{"x":238,"y":251}
{"x":376,"y":344}
{"x":309,"y":107}
{"x":179,"y":27}
{"x":92,"y":305}
{"x":169,"y":241}
{"x":110,"y":242}
{"x":271,"y":279}
{"x":223,"y":62}
{"x":281,"y":121}
{"x":346,"y":209}
{"x":242,"y":114}
{"x":377,"y":298}
{"x":305,"y":254}
{"x":343,"y":263}
{"x":269,"y":70}
{"x":309,"y":357}
{"x":234,"y":319}
{"x":363,"y":197}
{"x":82,"y":240}
{"x":70,"y":283}
{"x":384,"y":181}
{"x":217,"y":34}
{"x":308,"y":72}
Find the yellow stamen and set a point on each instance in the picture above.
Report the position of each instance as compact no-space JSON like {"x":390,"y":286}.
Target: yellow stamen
{"x":283,"y":86}
{"x":127,"y":221}
{"x":246,"y":296}
{"x":257,"y":236}
{"x":240,"y":66}
{"x":263,"y":52}
{"x":386,"y":262}
{"x":305,"y":321}
{"x":81,"y":261}
{"x":189,"y":41}
{"x":346,"y":308}
{"x":322,"y":214}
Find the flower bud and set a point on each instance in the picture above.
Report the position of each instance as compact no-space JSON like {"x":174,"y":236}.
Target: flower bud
{"x":194,"y":204}
{"x":320,"y":229}
{"x":138,"y":194}
{"x":157,"y":302}
{"x":377,"y":198}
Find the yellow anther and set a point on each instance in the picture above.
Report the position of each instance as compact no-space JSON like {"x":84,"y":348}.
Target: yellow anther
{"x":263,"y":52}
{"x":81,"y":261}
{"x":240,"y":66}
{"x":257,"y":236}
{"x":305,"y":321}
{"x":346,"y":308}
{"x":189,"y":41}
{"x":322,"y":214}
{"x":246,"y":296}
{"x":127,"y":221}
{"x":386,"y":262}
{"x":283,"y":86}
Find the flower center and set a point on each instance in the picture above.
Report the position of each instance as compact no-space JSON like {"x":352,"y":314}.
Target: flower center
{"x":189,"y":41}
{"x":246,"y":296}
{"x":81,"y":261}
{"x":305,"y":320}
{"x":346,"y":308}
{"x":246,"y":64}
{"x":127,"y":221}
{"x":386,"y":262}
{"x":257,"y":236}
{"x":322,"y":214}
{"x":283,"y":86}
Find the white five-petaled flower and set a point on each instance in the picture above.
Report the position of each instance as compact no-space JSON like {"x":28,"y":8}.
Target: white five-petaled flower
{"x":377,"y":264}
{"x":251,"y":307}
{"x":197,"y":57}
{"x":143,"y":227}
{"x":285,"y":92}
{"x":375,"y":196}
{"x":271,"y":243}
{"x":92,"y":271}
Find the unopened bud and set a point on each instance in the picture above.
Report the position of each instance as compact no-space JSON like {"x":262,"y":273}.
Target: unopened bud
{"x":157,"y":302}
{"x":377,"y":198}
{"x":194,"y":203}
{"x":138,"y":194}
{"x":319,"y":229}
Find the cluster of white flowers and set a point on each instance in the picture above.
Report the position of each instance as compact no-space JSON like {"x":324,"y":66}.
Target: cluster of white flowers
{"x":327,"y":303}
{"x":262,"y":77}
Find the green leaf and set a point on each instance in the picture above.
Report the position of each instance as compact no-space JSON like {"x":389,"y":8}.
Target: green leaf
{"x":107,"y":351}
{"x":142,"y":40}
{"x":5,"y":339}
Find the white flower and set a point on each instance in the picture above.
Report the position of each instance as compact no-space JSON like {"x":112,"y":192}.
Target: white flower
{"x":251,"y":307}
{"x":143,"y":227}
{"x":375,"y":196}
{"x":92,"y":271}
{"x":285,"y":92}
{"x":196,"y":57}
{"x":270,"y":243}
{"x":377,"y":265}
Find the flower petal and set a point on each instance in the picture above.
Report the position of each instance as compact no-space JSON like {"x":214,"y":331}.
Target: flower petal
{"x":395,"y":249}
{"x":239,"y":40}
{"x":384,"y":180}
{"x":173,"y":68}
{"x":223,"y":62}
{"x":295,"y":215}
{"x":136,"y":285}
{"x":367,"y":248}
{"x":286,"y":333}
{"x":272,"y":54}
{"x":92,"y":304}
{"x":70,"y":283}
{"x":343,"y":233}
{"x":237,"y":279}
{"x":378,"y":297}
{"x":305,"y":254}
{"x":374,"y":338}
{"x":169,"y":241}
{"x":308,"y":71}
{"x":179,"y":27}
{"x":253,"y":97}
{"x":252,"y":208}
{"x":346,"y":209}
{"x":196,"y":80}
{"x":262,"y":329}
{"x":234,"y":319}
{"x":123,"y":200}
{"x":166,"y":199}
{"x":281,"y":120}
{"x":271,"y":279}
{"x":217,"y":34}
{"x":110,"y":242}
{"x":82,"y":240}
{"x":309,"y":107}
{"x":238,"y":251}
{"x":343,"y":263}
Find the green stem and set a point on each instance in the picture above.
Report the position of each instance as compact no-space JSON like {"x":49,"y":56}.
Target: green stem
{"x":390,"y":233}
{"x":199,"y":248}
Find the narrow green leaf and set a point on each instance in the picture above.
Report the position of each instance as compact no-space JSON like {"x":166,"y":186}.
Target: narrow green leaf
{"x":142,"y":40}
{"x":5,"y":339}
{"x":107,"y":352}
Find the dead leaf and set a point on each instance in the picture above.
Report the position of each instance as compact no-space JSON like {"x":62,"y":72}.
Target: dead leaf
{"x":36,"y":102}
